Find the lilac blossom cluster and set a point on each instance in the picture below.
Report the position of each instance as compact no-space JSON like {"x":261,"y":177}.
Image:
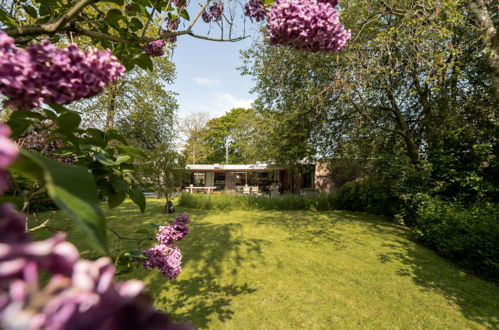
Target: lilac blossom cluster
{"x":80,"y":294}
{"x":172,"y":26}
{"x":45,"y":73}
{"x":8,"y":153}
{"x":310,"y":25}
{"x":256,"y":10}
{"x":214,"y":12}
{"x":155,"y":48}
{"x":166,"y":256}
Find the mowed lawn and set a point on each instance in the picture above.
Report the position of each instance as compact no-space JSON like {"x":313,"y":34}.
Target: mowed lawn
{"x":306,"y":270}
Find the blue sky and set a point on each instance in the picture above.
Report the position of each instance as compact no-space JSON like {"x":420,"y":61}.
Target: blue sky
{"x":207,"y":76}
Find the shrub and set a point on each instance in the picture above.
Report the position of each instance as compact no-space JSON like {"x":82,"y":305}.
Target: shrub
{"x":369,"y":197}
{"x":467,"y":235}
{"x":225,"y":201}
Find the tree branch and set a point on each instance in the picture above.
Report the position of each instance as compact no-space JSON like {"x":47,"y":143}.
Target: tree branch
{"x":52,"y":27}
{"x":217,"y":39}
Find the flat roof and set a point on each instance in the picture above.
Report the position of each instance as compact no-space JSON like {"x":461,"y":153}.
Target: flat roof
{"x":233,"y":167}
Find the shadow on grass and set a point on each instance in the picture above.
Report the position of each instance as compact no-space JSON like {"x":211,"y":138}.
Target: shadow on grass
{"x":478,"y":300}
{"x":309,"y":227}
{"x":212,"y":256}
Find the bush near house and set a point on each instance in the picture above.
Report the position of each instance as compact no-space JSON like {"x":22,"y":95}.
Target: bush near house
{"x":468,"y":235}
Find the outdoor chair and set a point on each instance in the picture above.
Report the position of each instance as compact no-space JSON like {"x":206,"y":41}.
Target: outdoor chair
{"x":246,"y":190}
{"x":255,"y":190}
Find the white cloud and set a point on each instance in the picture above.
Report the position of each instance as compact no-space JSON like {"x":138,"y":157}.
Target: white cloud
{"x":206,"y":82}
{"x":213,"y":103}
{"x":228,"y":101}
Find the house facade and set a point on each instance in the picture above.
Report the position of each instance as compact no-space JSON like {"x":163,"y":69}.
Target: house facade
{"x":261,"y":176}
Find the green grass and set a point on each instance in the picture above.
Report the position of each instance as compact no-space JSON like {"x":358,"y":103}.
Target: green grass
{"x":307,"y":270}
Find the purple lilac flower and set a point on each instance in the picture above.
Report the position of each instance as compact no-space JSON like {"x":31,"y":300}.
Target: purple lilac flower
{"x":8,"y":148}
{"x":155,"y":48}
{"x":216,"y":10}
{"x":45,"y":73}
{"x":166,"y":235}
{"x":166,"y":256}
{"x":22,"y":260}
{"x":8,"y":153}
{"x":12,"y":224}
{"x":181,"y":3}
{"x":333,"y":3}
{"x":173,"y":25}
{"x":206,"y":16}
{"x":167,"y":259}
{"x":182,"y":218}
{"x":181,"y":230}
{"x":306,"y":25}
{"x":256,"y":10}
{"x":81,"y":294}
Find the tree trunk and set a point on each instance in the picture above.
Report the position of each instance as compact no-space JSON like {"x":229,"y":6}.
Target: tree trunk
{"x":165,"y":209}
{"x":111,"y":108}
{"x":481,"y":17}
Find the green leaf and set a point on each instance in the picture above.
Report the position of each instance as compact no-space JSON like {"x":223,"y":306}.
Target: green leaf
{"x":68,"y":121}
{"x":114,"y":200}
{"x":72,"y":188}
{"x":23,"y":114}
{"x":136,"y":24}
{"x":118,"y":184}
{"x":123,"y":159}
{"x":18,"y":126}
{"x":105,"y":159}
{"x":114,"y":135}
{"x":31,"y":11}
{"x":185,"y":15}
{"x":138,"y":198}
{"x":6,"y":19}
{"x":144,"y":61}
{"x":129,"y":150}
{"x":112,"y":18}
{"x":58,"y":108}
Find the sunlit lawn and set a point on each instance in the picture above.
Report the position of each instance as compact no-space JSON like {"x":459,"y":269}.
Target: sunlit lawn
{"x":307,"y":270}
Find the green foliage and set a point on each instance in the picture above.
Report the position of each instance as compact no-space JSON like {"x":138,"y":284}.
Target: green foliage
{"x":72,"y":188}
{"x":226,"y":201}
{"x":468,"y":235}
{"x":164,"y":171}
{"x":139,"y":106}
{"x":98,"y":166}
{"x":237,"y":128}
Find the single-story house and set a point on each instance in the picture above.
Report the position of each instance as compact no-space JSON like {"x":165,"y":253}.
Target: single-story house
{"x":234,"y":177}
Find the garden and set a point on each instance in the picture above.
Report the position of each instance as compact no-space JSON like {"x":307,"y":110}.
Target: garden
{"x":398,"y":100}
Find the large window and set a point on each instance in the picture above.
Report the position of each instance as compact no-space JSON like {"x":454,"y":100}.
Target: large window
{"x":220,"y":180}
{"x":199,"y":179}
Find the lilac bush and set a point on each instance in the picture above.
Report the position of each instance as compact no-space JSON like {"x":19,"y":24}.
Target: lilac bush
{"x":166,"y":256}
{"x":45,"y":73}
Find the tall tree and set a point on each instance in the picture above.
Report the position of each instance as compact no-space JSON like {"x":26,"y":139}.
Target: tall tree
{"x":413,"y":70}
{"x":191,"y":129}
{"x":165,"y":171}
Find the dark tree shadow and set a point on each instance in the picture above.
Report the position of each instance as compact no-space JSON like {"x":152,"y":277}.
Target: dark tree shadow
{"x":212,"y":254}
{"x":478,"y":300}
